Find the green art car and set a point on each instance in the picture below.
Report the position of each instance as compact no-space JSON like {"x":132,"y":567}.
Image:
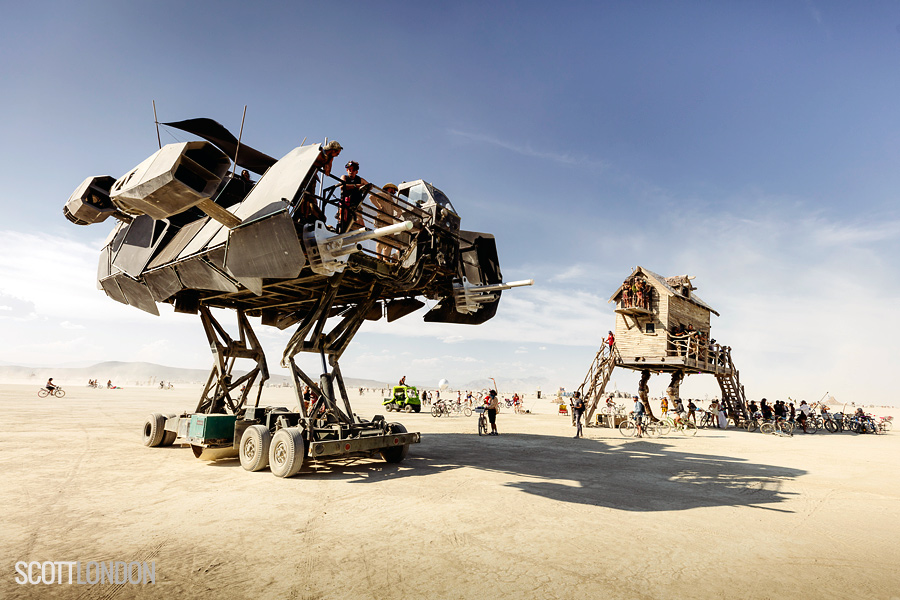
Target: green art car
{"x":405,"y":398}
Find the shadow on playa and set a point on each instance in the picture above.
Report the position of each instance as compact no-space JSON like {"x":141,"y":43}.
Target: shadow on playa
{"x":637,"y":476}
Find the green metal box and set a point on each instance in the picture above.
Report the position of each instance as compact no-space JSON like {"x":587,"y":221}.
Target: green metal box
{"x":212,"y":427}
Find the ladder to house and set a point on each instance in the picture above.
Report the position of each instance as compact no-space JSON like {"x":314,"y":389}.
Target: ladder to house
{"x":733,"y":394}
{"x":596,"y":379}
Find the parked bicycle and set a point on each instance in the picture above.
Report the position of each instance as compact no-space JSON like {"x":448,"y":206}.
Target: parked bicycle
{"x":778,"y":426}
{"x":44,"y":392}
{"x":438,"y":408}
{"x":483,"y":427}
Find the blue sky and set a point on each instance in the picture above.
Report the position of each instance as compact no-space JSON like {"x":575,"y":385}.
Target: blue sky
{"x":753,"y":145}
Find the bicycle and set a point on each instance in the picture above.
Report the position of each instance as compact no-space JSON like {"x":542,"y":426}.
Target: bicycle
{"x":778,"y":426}
{"x":483,"y":428}
{"x":682,"y":426}
{"x":629,"y":428}
{"x":44,"y":392}
{"x":438,"y":408}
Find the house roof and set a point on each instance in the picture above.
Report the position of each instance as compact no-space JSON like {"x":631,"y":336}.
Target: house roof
{"x":665,"y":283}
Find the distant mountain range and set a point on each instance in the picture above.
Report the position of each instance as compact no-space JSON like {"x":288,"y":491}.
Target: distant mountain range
{"x":135,"y":373}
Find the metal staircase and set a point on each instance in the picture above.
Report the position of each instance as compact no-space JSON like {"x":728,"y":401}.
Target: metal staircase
{"x":596,"y":379}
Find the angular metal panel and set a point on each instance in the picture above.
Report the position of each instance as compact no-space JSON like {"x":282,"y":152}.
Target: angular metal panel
{"x":143,"y":238}
{"x":267,"y":248}
{"x":137,"y":294}
{"x":163,"y":283}
{"x":181,"y":239}
{"x":112,"y":290}
{"x":198,"y":274}
{"x":280,"y":183}
{"x":400,"y":308}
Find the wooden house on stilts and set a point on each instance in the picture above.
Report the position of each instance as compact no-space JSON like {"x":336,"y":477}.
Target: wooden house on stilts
{"x":662,"y":326}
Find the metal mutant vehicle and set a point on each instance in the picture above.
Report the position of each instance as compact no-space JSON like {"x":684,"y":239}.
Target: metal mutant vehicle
{"x":405,"y":398}
{"x":192,"y":234}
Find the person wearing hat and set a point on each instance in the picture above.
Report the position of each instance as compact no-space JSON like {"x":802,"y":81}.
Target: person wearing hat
{"x":493,"y":407}
{"x":327,"y":156}
{"x":353,"y":190}
{"x":385,"y":210}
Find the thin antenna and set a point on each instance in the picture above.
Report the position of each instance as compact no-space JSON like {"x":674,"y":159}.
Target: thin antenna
{"x":303,"y":142}
{"x":155,"y":120}
{"x":240,"y":135}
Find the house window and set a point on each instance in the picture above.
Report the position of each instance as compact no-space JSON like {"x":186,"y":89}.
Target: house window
{"x":650,"y":328}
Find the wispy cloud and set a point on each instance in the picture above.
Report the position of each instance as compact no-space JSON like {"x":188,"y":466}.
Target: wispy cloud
{"x":529,"y":151}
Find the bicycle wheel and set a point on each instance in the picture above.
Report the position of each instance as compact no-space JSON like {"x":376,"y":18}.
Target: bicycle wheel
{"x":811,"y":426}
{"x":830,"y":427}
{"x":767,"y":427}
{"x":59,"y":393}
{"x":652,"y":430}
{"x":663,"y":428}
{"x":689,"y":429}
{"x":752,"y":425}
{"x":467,"y":411}
{"x":886,"y":425}
{"x":786,"y":427}
{"x":482,"y":425}
{"x":435,"y":411}
{"x":627,"y":428}
{"x":43,"y":393}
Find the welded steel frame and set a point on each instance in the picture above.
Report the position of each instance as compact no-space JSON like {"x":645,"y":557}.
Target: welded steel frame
{"x":311,"y":336}
{"x":217,"y":394}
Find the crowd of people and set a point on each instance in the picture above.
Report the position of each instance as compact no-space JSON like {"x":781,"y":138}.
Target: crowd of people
{"x":637,"y":292}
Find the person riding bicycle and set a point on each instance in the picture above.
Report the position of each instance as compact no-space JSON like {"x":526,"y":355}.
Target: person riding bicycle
{"x":493,"y":407}
{"x":51,"y":386}
{"x":803,"y":414}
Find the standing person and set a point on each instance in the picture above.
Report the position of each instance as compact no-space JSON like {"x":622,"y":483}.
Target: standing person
{"x":578,"y":410}
{"x":664,"y":406}
{"x":352,"y":193}
{"x":692,"y":411}
{"x":639,"y":416}
{"x":714,"y":412}
{"x":493,"y":407}
{"x":610,"y":340}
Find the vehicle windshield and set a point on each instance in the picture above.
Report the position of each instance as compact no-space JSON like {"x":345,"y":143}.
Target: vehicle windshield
{"x":421,"y":193}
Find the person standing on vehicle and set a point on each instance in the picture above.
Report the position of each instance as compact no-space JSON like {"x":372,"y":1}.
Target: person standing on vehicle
{"x":493,"y":407}
{"x":578,"y":411}
{"x":352,"y":195}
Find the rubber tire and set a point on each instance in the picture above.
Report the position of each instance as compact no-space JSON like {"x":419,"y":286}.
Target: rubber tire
{"x":767,"y":427}
{"x":407,"y":408}
{"x":752,"y":425}
{"x":43,"y":393}
{"x":168,"y":438}
{"x":287,"y":452}
{"x":417,"y":408}
{"x":482,"y":425}
{"x":886,"y":425}
{"x":435,"y":411}
{"x":395,"y":454}
{"x":468,"y":412}
{"x":59,"y":393}
{"x":663,"y":428}
{"x":652,"y":430}
{"x":154,"y":430}
{"x":811,"y":427}
{"x":627,"y":428}
{"x":689,"y":429}
{"x":254,"y":450}
{"x":830,"y":427}
{"x":389,"y":407}
{"x":786,"y":427}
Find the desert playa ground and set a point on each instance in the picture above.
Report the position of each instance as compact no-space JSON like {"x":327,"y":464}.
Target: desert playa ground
{"x":532,"y":513}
